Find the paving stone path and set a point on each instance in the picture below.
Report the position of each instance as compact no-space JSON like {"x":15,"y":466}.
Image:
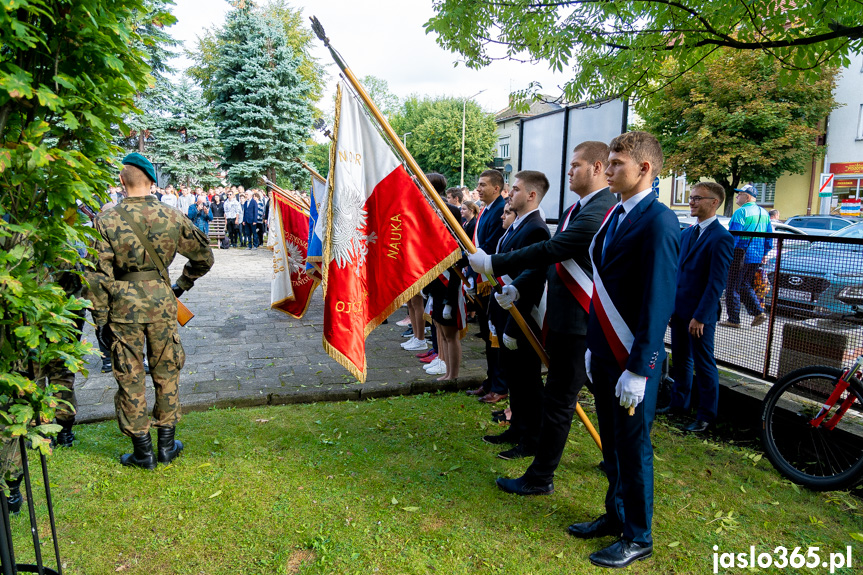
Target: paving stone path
{"x":239,"y":352}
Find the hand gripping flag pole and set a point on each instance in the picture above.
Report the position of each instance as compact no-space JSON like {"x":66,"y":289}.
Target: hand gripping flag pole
{"x":454,"y":226}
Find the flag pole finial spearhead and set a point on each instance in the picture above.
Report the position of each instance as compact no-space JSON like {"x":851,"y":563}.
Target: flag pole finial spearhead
{"x":318,"y":29}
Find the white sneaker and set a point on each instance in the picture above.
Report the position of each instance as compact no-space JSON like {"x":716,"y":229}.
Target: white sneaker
{"x":411,"y":341}
{"x":439,"y":369}
{"x":432,"y":363}
{"x":416,"y":345}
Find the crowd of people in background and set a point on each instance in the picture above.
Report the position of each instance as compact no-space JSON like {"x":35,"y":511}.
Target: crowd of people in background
{"x":245,"y":212}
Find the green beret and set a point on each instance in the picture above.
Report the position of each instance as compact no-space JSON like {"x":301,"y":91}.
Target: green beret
{"x":139,"y":161}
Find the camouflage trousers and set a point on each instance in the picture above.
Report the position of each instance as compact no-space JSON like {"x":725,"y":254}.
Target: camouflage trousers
{"x":166,"y":357}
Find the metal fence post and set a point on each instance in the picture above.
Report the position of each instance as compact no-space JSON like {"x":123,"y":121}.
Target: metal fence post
{"x":773,"y":308}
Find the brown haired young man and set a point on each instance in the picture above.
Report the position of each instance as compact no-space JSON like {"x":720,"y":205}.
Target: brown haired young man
{"x":565,"y":261}
{"x":634,"y":258}
{"x":487,"y":232}
{"x":706,"y":249}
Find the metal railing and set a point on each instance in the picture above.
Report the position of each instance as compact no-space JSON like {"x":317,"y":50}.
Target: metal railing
{"x":799,"y":286}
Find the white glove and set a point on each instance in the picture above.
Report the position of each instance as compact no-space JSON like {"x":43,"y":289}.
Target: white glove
{"x":447,"y":311}
{"x":507,"y":297}
{"x":471,"y":287}
{"x":510,"y":342}
{"x":630,"y":389}
{"x":480,"y":262}
{"x":491,"y":328}
{"x":587,"y":366}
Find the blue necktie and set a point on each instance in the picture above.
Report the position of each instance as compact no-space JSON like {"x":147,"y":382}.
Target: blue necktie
{"x":612,"y":227}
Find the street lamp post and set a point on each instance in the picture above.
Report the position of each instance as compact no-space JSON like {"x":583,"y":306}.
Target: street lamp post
{"x":463,"y":113}
{"x":405,"y":138}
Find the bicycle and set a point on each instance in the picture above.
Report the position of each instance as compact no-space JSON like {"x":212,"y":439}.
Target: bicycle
{"x":812,"y":423}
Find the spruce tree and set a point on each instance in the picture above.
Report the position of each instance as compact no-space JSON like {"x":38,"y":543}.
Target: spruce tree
{"x":187,"y":141}
{"x":260,"y":100}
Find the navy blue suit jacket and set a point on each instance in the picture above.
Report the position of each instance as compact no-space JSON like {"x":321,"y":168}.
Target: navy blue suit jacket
{"x":702,"y":272}
{"x":490,"y":226}
{"x":639,"y":272}
{"x":529,"y":283}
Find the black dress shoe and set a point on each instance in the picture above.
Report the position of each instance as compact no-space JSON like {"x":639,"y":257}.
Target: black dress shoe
{"x":504,"y":437}
{"x":600,"y":527}
{"x":621,"y":554}
{"x":106,"y":366}
{"x":517,"y":452}
{"x":520,"y":486}
{"x":697,"y":426}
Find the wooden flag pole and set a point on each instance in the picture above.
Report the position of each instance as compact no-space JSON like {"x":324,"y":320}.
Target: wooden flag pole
{"x":454,"y":226}
{"x":465,"y":282}
{"x":311,"y":169}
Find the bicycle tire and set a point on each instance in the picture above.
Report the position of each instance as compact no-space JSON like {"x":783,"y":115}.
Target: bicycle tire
{"x":817,"y":458}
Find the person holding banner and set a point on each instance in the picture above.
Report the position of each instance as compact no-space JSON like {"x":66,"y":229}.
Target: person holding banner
{"x":517,"y":359}
{"x":487,"y":231}
{"x":634,"y":257}
{"x":570,"y":285}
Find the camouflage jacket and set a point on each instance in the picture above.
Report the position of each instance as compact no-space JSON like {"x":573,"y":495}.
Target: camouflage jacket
{"x":120,"y":252}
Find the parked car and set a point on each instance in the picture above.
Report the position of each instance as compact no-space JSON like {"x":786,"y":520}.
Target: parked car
{"x":778,"y":227}
{"x":821,"y":225}
{"x":811,"y":278}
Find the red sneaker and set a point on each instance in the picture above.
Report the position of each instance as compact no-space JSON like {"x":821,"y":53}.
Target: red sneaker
{"x":428,"y":359}
{"x":427,"y":353}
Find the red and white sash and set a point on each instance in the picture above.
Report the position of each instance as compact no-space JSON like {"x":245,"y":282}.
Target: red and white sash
{"x":616,"y":332}
{"x":573,"y":277}
{"x":481,"y":280}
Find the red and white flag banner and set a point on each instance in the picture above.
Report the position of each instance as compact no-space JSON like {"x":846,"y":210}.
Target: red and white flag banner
{"x":291,"y":288}
{"x":382,"y":240}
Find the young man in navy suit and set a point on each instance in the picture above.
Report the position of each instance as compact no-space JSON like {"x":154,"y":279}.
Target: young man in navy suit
{"x":634,"y":257}
{"x":488,"y":230}
{"x":518,"y":360}
{"x":706,"y":249}
{"x":569,"y":274}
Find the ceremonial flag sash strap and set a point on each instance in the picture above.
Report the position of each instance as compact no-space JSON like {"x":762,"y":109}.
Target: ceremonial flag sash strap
{"x":481,"y":279}
{"x":573,"y":277}
{"x":616,"y":332}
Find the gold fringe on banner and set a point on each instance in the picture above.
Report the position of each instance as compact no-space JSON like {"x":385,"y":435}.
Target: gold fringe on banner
{"x":413,"y":290}
{"x":314,"y":279}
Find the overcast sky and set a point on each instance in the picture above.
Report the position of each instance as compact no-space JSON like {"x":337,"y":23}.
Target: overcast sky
{"x":384,"y":38}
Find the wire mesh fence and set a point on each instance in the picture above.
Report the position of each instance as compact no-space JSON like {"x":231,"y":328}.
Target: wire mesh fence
{"x":793,"y":305}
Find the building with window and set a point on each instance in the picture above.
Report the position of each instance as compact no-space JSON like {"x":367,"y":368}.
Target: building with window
{"x":845,"y":136}
{"x":508,"y":121}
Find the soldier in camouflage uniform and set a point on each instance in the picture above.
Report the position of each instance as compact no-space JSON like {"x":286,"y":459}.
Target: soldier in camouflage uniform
{"x":127,"y":291}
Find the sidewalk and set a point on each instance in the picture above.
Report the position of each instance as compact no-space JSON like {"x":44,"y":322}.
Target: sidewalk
{"x":239,"y":352}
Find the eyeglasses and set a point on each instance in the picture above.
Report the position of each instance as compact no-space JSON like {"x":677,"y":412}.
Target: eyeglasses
{"x":699,"y":198}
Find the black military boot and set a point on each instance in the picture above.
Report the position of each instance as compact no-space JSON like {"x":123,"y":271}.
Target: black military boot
{"x":143,"y":455}
{"x":14,"y":499}
{"x":169,"y":448}
{"x":66,"y":435}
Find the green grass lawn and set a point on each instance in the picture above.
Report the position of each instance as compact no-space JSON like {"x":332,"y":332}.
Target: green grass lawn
{"x":403,"y":485}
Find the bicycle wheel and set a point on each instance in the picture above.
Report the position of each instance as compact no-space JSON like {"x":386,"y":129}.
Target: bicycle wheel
{"x":814,"y":456}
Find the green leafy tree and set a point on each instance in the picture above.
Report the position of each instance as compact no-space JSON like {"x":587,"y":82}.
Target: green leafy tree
{"x":260,"y":101}
{"x":379,"y":91}
{"x":298,"y":36}
{"x":69,"y":71}
{"x":318,"y":157}
{"x":735,"y":121}
{"x":187,"y":141}
{"x":435,"y":135}
{"x":617,"y":48}
{"x":156,"y":41}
